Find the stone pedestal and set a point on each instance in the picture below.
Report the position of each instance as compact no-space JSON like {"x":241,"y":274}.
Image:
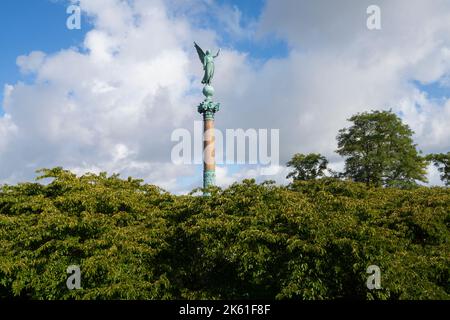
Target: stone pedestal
{"x":208,"y":108}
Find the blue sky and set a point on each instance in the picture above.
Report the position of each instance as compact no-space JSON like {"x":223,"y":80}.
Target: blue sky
{"x":29,"y":26}
{"x":265,"y":48}
{"x":435,"y":90}
{"x":36,"y":26}
{"x":299,"y":66}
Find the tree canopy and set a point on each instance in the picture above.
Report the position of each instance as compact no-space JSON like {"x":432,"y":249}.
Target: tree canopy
{"x":379,"y":151}
{"x":307,"y":167}
{"x":309,"y":240}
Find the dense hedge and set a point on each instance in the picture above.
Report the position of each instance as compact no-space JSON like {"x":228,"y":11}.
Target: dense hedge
{"x":311,"y":240}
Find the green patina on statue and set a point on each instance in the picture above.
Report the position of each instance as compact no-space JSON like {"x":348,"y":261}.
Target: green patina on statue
{"x":208,"y":108}
{"x":207,"y":59}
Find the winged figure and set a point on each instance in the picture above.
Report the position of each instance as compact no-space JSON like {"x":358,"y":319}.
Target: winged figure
{"x":207,"y":60}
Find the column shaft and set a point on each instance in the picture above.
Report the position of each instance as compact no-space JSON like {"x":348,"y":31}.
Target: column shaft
{"x":209,"y":153}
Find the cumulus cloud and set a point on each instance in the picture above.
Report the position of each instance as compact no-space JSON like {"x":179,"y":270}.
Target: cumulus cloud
{"x":31,"y":63}
{"x":112,"y":104}
{"x":338,"y":67}
{"x":226,"y":177}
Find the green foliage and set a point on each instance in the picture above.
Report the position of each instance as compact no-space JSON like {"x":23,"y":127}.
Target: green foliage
{"x":380,"y":151}
{"x":311,"y":240}
{"x":109,"y":227}
{"x":307,"y":167}
{"x":442,"y":162}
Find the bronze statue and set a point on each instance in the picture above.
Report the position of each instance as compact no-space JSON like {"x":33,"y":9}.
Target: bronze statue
{"x":207,"y":59}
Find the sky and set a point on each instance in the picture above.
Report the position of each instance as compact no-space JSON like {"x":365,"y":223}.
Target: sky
{"x":109,"y":96}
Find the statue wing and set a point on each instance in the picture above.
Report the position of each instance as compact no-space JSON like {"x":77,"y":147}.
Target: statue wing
{"x":200,"y":52}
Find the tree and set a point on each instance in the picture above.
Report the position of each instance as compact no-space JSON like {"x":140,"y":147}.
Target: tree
{"x":380,"y":151}
{"x":442,"y":162}
{"x":307,"y":167}
{"x":310,"y":240}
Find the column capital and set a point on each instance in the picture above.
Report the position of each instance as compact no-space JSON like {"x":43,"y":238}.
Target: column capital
{"x":208,"y":108}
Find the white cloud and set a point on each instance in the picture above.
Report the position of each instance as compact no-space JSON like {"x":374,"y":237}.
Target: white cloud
{"x":225,"y":178}
{"x":433,"y":176}
{"x":112,"y":105}
{"x":32,"y":62}
{"x":7,"y":130}
{"x":338,"y":67}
